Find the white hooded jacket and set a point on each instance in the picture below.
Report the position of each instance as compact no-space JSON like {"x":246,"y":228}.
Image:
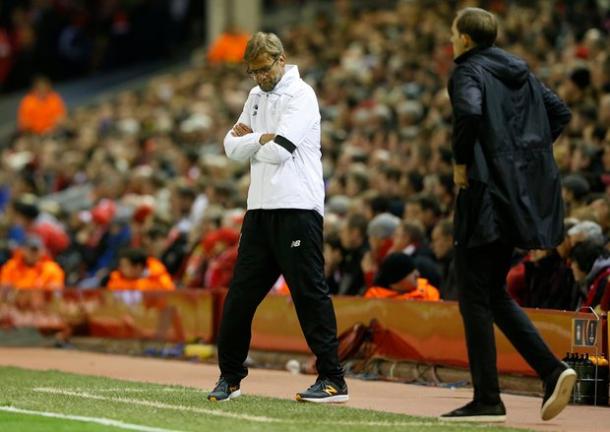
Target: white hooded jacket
{"x":286,"y":173}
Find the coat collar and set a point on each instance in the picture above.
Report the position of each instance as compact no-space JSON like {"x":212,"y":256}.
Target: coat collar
{"x":464,"y":56}
{"x":291,"y":74}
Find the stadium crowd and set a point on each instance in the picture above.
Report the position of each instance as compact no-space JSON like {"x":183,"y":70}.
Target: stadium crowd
{"x":67,"y":38}
{"x":145,"y":171}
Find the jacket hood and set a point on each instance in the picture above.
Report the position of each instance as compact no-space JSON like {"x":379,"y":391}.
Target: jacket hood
{"x":508,"y":68}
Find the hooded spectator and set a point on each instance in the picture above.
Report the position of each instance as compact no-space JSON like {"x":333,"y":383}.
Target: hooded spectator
{"x":399,"y":279}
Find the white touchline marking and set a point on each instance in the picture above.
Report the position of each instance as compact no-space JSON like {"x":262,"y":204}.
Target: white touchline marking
{"x":135,"y":390}
{"x":98,"y":420}
{"x":262,"y":419}
{"x":218,"y":413}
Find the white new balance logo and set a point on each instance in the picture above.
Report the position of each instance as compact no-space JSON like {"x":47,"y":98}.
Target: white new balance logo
{"x":295,"y":243}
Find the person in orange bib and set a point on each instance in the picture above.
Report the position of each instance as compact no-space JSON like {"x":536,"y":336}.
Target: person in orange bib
{"x":229,"y":47}
{"x":399,"y":279}
{"x":138,"y":271}
{"x":42,"y":109}
{"x":31,"y":269}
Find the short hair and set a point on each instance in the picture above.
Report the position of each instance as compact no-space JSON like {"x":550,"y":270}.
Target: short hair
{"x":262,"y":43}
{"x":359,"y":222}
{"x":333,"y":241}
{"x":416,"y":180}
{"x":392,"y":174}
{"x":135,"y":256}
{"x":415,"y":230}
{"x":361,"y":179}
{"x":479,"y":24}
{"x":429,"y":202}
{"x":446,"y":227}
{"x":586,"y":253}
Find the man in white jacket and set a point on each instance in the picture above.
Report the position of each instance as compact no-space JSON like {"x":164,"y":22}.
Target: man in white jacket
{"x":279,"y":133}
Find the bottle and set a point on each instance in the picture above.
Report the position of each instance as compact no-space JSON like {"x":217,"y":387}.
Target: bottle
{"x":577,"y":387}
{"x":587,"y":381}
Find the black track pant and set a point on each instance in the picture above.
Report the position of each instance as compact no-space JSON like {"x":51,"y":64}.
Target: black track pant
{"x":275,"y":242}
{"x":483,"y":299}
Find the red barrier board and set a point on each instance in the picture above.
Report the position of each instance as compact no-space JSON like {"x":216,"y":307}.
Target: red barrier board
{"x":176,"y":316}
{"x":429,"y":332}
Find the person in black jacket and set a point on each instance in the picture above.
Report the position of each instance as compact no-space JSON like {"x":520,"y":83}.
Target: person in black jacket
{"x":505,"y":122}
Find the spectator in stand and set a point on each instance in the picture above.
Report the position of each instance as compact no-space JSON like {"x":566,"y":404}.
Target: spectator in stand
{"x":410,"y":238}
{"x":544,"y":279}
{"x":138,"y":271}
{"x":442,"y":246}
{"x":591,"y":267}
{"x":229,"y":46}
{"x":399,"y":279}
{"x":424,"y":209}
{"x":575,"y":189}
{"x":26,"y":218}
{"x":390,"y":188}
{"x":31,"y":268}
{"x":176,"y":251}
{"x":380,"y":231}
{"x":601,"y":209}
{"x":220,"y":251}
{"x":585,"y":230}
{"x":332,"y":261}
{"x":353,"y":241}
{"x":42,"y":110}
{"x":153,"y":240}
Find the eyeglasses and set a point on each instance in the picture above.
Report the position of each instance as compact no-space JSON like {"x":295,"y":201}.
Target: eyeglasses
{"x":261,"y":71}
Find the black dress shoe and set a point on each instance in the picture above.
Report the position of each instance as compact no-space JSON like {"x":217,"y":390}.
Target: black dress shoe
{"x":477,"y":412}
{"x":557,"y":391}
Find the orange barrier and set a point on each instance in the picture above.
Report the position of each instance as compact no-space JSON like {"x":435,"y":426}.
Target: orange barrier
{"x":430,"y":332}
{"x":171,"y":316}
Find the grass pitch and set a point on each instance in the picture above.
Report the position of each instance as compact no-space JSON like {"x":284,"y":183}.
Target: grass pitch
{"x":35,"y":401}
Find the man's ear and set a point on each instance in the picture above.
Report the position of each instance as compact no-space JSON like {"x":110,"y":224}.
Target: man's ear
{"x":466,"y":41}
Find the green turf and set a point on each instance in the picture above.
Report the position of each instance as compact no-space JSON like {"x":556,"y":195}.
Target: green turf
{"x":182,"y":409}
{"x":22,"y":422}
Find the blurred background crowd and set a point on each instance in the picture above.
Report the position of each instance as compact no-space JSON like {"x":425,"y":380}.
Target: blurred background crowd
{"x":140,"y":183}
{"x":64,"y":39}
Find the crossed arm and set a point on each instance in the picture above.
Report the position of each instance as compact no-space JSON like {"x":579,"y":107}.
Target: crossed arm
{"x":241,"y":129}
{"x":241,"y":143}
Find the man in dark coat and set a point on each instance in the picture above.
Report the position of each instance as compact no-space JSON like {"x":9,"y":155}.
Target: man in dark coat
{"x":505,"y":122}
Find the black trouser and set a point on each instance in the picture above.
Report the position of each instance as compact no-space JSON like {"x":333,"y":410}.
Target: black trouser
{"x":483,"y":299}
{"x":275,"y":242}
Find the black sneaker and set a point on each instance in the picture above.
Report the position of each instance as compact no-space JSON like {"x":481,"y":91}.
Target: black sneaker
{"x":224,"y":391}
{"x":477,"y":412}
{"x":324,"y":391}
{"x":557,"y":391}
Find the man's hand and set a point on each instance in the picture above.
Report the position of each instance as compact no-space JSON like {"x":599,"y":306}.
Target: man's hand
{"x":265,"y":138}
{"x":460,"y":177}
{"x":240,"y":129}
